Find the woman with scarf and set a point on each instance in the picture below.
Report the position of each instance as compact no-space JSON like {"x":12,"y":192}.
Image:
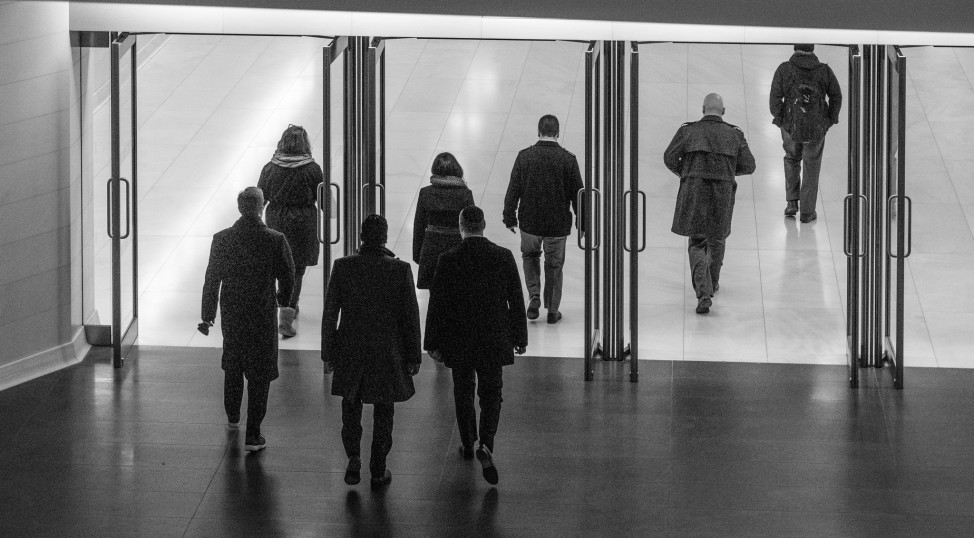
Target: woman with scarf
{"x":290,"y":185}
{"x":436,"y":224}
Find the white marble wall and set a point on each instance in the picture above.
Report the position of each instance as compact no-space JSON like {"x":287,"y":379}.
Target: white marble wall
{"x":37,"y":179}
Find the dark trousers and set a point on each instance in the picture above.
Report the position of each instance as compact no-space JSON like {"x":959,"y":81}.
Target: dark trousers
{"x":803,"y":161}
{"x":554,"y":260}
{"x":382,"y":416}
{"x":233,"y":387}
{"x":706,"y":259}
{"x":299,"y":271}
{"x":488,"y":382}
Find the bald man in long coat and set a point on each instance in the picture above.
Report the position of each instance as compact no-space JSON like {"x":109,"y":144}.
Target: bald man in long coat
{"x":707,"y":155}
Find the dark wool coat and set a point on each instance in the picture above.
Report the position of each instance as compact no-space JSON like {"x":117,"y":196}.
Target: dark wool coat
{"x":370,"y":329}
{"x":544,"y":184}
{"x":291,"y":194}
{"x":438,"y":207}
{"x":245,"y":261}
{"x":476,"y":309}
{"x":786,"y":75}
{"x":706,"y":155}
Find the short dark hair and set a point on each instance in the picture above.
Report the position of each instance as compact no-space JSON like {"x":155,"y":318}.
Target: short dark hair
{"x":548,"y":125}
{"x":445,"y":164}
{"x":250,"y":201}
{"x":472,"y":219}
{"x":375,"y":230}
{"x":805,"y":47}
{"x":294,"y":141}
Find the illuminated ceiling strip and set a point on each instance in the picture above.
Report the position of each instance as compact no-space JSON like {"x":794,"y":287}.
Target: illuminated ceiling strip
{"x":222,"y":20}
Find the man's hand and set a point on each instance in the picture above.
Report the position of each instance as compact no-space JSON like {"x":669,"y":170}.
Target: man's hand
{"x":412,"y":369}
{"x":204,"y":327}
{"x":513,"y":229}
{"x":520,"y":350}
{"x":436,"y":355}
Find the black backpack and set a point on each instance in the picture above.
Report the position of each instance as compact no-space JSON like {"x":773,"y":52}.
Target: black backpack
{"x":806,"y":113}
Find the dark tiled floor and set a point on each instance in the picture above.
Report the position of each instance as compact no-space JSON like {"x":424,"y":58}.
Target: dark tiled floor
{"x":719,"y":449}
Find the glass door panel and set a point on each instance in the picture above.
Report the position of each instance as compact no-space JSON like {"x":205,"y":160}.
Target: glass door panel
{"x":898,"y":208}
{"x":334,"y":142}
{"x":590,"y":199}
{"x":853,"y":211}
{"x":122,"y":215}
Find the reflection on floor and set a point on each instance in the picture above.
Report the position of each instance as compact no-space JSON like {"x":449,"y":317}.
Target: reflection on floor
{"x":212,"y":108}
{"x":693,"y":449}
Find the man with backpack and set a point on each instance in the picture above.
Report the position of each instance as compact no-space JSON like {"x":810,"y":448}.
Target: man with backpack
{"x":805,"y":102}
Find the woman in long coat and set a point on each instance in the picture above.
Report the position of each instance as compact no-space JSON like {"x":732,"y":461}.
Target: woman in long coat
{"x":290,"y":185}
{"x":435,"y":226}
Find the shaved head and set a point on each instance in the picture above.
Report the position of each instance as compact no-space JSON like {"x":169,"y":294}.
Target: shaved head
{"x":713,"y":104}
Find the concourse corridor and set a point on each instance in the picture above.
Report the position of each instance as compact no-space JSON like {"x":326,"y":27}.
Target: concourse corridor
{"x":211,"y":109}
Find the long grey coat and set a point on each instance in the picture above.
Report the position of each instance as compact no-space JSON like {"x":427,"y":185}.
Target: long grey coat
{"x":706,"y":155}
{"x":370,"y":329}
{"x":246,"y":261}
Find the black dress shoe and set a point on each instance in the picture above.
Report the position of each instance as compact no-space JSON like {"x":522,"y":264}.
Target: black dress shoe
{"x":792,"y":209}
{"x":554,"y":317}
{"x":467,"y":453}
{"x":353,"y":471}
{"x":487,"y":461}
{"x":534,"y":305}
{"x":379,"y":482}
{"x":808,"y":217}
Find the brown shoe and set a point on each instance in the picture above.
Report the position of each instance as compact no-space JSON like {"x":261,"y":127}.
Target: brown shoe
{"x":808,"y":217}
{"x":792,"y":208}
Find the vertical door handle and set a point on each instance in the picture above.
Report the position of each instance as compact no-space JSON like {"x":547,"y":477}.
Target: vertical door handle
{"x":320,"y":213}
{"x":338,"y":213}
{"x":909,"y":226}
{"x":108,"y":207}
{"x":625,"y":242}
{"x":128,"y":207}
{"x":847,"y":236}
{"x":597,"y":240}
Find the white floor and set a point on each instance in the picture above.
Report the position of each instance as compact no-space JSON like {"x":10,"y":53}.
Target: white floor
{"x":212,"y":108}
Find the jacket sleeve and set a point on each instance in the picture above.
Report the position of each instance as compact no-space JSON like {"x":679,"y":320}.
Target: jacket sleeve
{"x":745,"y":159}
{"x":835,"y":97}
{"x":419,"y":227}
{"x":440,"y":293}
{"x":263,"y":184}
{"x":409,"y":324}
{"x":329,"y":318}
{"x":514,"y":191}
{"x":776,"y":99}
{"x":317,"y":177}
{"x":215,"y":273}
{"x":516,"y":316}
{"x":285,"y":272}
{"x":575,"y":185}
{"x":673,"y":156}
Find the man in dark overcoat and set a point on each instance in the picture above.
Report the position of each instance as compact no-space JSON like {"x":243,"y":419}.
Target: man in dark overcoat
{"x":249,"y":274}
{"x":707,"y":155}
{"x":475,"y":324}
{"x":370,"y":336}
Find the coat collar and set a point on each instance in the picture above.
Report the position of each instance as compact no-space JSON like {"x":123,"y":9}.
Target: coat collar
{"x":375,"y":250}
{"x":550,"y":143}
{"x":712,"y":117}
{"x":249,"y":221}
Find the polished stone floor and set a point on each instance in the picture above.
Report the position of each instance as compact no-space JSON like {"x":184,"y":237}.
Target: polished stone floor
{"x":694,"y":448}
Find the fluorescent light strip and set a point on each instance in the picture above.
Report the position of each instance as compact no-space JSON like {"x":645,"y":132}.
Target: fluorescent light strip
{"x":217,"y":20}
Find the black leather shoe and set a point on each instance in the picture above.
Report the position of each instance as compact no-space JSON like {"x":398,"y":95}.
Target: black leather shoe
{"x":379,"y":482}
{"x":703,"y":305}
{"x":467,"y":453}
{"x":792,"y":208}
{"x":534,"y":305}
{"x":353,"y":471}
{"x":487,"y":460}
{"x":808,"y":217}
{"x":554,"y":317}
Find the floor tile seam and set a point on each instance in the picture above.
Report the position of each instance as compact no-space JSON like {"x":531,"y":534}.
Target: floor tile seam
{"x":228,"y":443}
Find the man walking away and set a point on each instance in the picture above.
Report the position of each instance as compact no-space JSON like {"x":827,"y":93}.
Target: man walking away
{"x":542,"y":193}
{"x":475,"y":324}
{"x":370,"y":336}
{"x":805,"y":102}
{"x":706,"y":155}
{"x":246,"y":261}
